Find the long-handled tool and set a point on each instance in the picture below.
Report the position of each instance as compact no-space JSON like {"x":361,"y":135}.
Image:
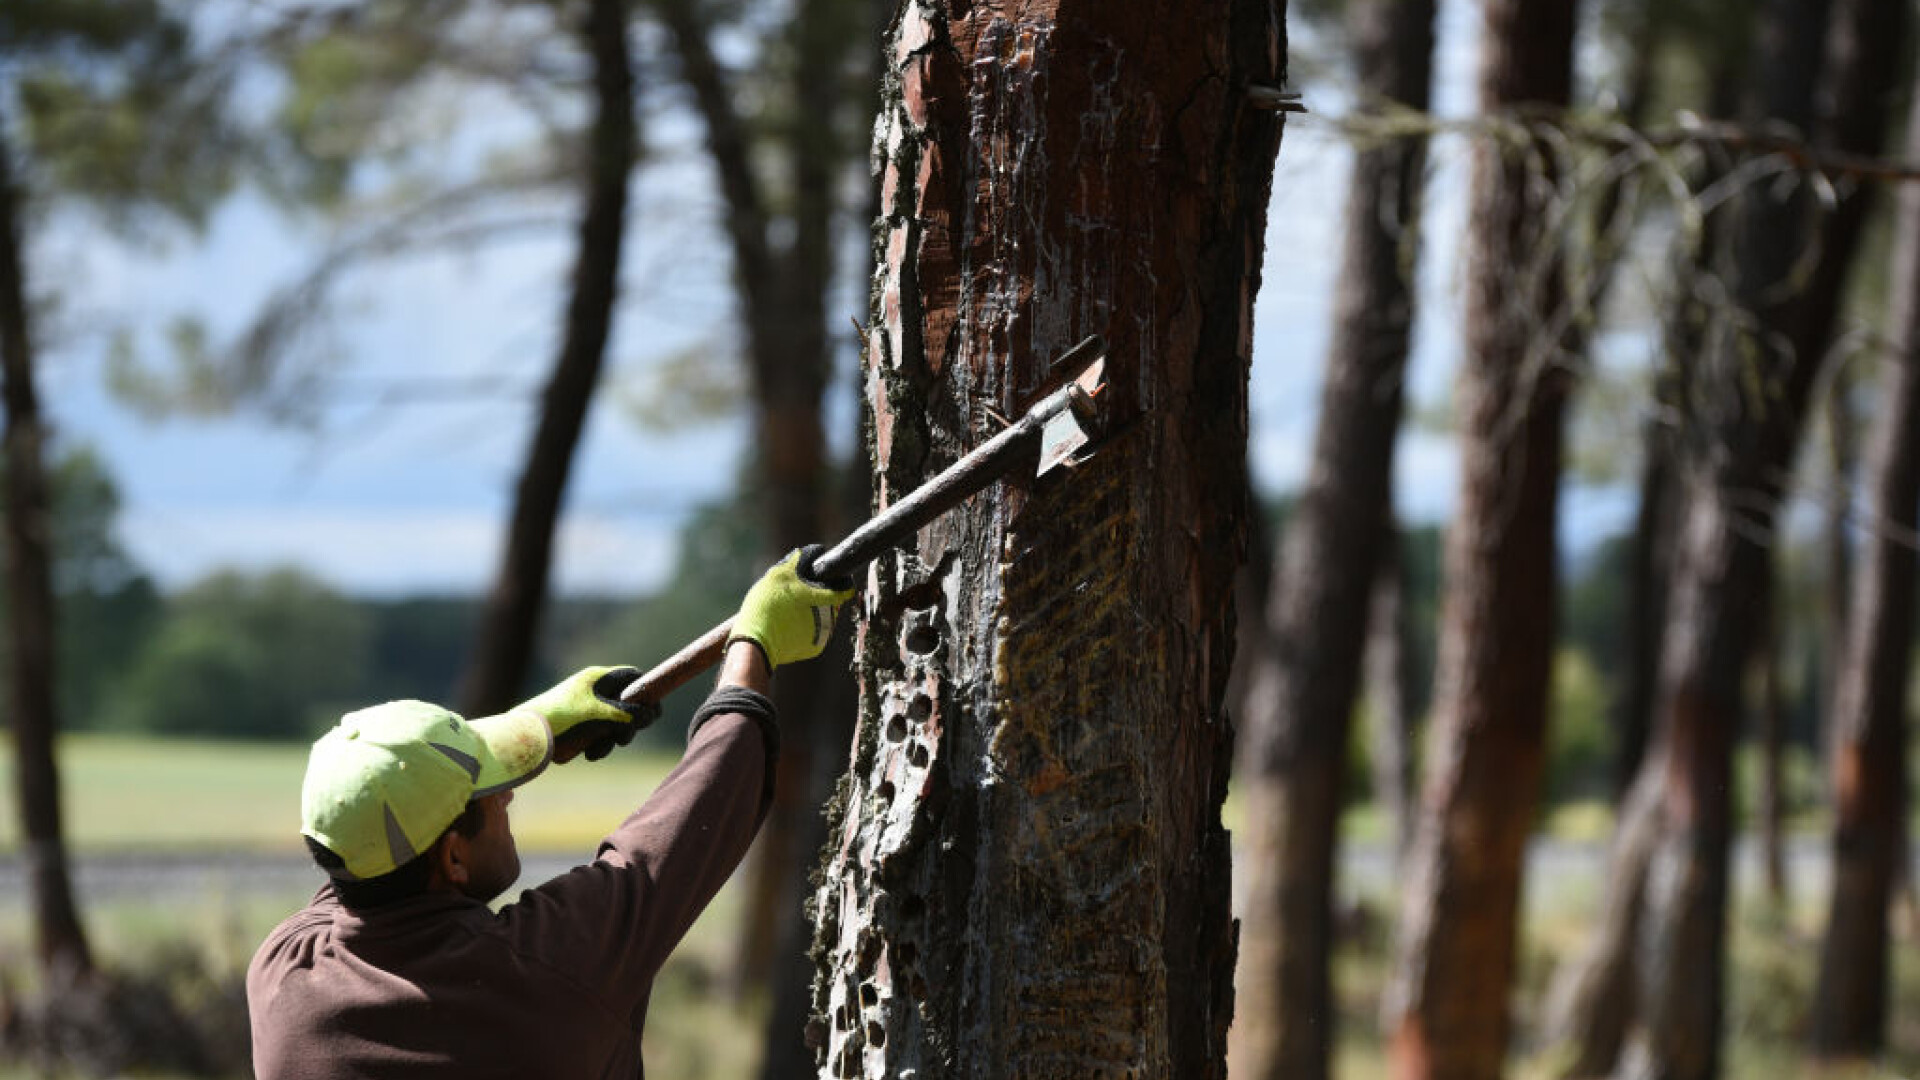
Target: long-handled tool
{"x":1057,"y":425}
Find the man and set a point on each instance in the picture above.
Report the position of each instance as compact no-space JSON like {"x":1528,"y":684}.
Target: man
{"x":398,"y":967}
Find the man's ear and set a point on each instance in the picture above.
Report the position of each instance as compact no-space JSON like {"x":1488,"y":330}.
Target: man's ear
{"x":449,"y":857}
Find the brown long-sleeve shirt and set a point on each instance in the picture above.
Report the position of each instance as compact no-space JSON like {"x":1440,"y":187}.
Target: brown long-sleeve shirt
{"x":554,"y":985}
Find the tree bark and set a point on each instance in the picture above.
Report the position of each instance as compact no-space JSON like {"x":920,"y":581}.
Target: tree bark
{"x":1869,"y":710}
{"x":1028,"y":874}
{"x":59,"y":941}
{"x":1303,"y":686}
{"x":503,"y":650}
{"x":1447,"y":1001}
{"x":1388,"y":674}
{"x":1770,"y":710}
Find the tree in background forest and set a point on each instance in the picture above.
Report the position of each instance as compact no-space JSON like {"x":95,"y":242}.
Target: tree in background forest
{"x":1871,"y":699}
{"x":1748,"y":394}
{"x":101,"y":105}
{"x":1447,"y":1003}
{"x":1028,"y":871}
{"x":1304,"y":678}
{"x":502,"y":659}
{"x":784,"y":149}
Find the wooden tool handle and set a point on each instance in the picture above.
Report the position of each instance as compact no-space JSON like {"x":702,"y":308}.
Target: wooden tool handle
{"x":679,"y":669}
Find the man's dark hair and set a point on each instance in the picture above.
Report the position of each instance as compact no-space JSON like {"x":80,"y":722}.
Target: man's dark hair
{"x":407,"y":880}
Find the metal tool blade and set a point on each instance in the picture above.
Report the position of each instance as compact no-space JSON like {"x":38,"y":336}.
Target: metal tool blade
{"x":1066,"y":431}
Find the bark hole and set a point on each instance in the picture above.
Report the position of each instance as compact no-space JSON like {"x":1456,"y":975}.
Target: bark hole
{"x":896,"y":728}
{"x":917,"y":755}
{"x":922,"y":640}
{"x":920,"y":709}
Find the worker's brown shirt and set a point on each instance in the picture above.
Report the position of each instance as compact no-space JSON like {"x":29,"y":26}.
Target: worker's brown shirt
{"x":553,"y":986}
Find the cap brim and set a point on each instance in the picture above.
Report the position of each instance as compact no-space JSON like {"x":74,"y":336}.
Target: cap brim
{"x":522,"y":746}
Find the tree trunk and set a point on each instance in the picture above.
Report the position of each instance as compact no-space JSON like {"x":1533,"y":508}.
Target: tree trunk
{"x":1303,"y":687}
{"x":1770,"y":710}
{"x":1869,"y":710}
{"x":1590,"y":1004}
{"x":503,"y":649}
{"x":1388,"y":672}
{"x":1647,"y":575}
{"x":782,"y":290}
{"x":1029,"y":876}
{"x":1447,"y":1001}
{"x":59,"y":941}
{"x":1724,"y":559}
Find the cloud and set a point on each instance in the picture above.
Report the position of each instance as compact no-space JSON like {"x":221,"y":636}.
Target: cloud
{"x":387,"y":552}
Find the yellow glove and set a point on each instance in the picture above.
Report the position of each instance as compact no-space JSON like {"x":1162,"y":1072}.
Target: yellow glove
{"x":787,"y":613}
{"x":587,"y":715}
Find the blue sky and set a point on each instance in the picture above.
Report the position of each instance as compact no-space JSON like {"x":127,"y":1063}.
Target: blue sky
{"x":392,"y":500}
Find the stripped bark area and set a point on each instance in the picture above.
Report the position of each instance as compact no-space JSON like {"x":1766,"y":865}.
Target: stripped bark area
{"x":1027,"y":874}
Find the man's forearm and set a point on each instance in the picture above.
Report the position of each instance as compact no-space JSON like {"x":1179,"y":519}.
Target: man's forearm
{"x":746,"y":666}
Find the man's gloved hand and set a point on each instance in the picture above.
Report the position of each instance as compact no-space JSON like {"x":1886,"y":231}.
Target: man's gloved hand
{"x":587,"y":715}
{"x":787,"y":613}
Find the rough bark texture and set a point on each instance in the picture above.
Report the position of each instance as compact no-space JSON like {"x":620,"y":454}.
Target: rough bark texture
{"x":1028,"y":875}
{"x":1303,"y":686}
{"x":1447,"y":1001}
{"x":503,"y":649}
{"x":1869,"y":710}
{"x":59,"y":941}
{"x":1751,"y":427}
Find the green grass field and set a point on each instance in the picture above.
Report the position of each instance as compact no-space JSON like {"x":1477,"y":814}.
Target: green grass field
{"x":125,"y":793}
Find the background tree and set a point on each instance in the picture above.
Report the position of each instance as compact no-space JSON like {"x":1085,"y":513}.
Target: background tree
{"x":1456,"y":957}
{"x":1305,"y":680}
{"x":252,"y":656}
{"x":103,"y":105}
{"x":1044,"y":671}
{"x":503,"y":649}
{"x":783,"y":147}
{"x":1869,"y":716}
{"x":1750,"y":394}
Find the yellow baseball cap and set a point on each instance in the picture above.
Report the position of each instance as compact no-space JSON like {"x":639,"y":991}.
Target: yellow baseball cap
{"x":387,"y":780}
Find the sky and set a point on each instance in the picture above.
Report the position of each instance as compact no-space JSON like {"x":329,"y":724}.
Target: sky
{"x":386,"y":499}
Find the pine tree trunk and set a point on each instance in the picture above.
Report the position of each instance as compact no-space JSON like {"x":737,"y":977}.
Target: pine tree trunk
{"x":1389,"y":680}
{"x":1770,"y":710}
{"x":1447,"y":1001}
{"x":1724,"y":562}
{"x":1028,"y":874}
{"x":59,"y":941}
{"x":1870,"y":706}
{"x":1302,"y":688}
{"x":503,"y":651}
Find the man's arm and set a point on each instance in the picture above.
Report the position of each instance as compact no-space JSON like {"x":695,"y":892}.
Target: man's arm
{"x":745,"y":666}
{"x":612,"y":922}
